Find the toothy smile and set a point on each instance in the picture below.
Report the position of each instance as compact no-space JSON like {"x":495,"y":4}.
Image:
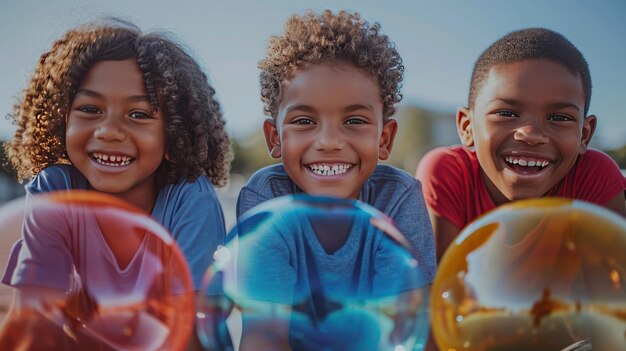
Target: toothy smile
{"x":527,"y":161}
{"x":111,"y":160}
{"x":329,"y":169}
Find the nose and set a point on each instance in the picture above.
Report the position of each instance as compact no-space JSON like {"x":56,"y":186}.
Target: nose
{"x":329,"y":138}
{"x":110,"y":129}
{"x":532,"y":134}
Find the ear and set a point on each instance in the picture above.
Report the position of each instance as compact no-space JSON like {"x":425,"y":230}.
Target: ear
{"x":272,"y":137}
{"x":388,"y":135}
{"x":589,"y":127}
{"x":464,"y":126}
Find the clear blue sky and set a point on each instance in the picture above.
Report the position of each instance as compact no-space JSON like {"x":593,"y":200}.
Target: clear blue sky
{"x":438,"y":40}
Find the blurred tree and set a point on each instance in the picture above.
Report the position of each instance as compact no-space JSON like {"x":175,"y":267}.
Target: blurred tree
{"x":250,"y":154}
{"x":420,"y":130}
{"x":619,"y":155}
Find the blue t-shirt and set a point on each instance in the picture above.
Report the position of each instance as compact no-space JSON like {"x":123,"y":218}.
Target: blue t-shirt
{"x":190,"y":211}
{"x":390,"y":190}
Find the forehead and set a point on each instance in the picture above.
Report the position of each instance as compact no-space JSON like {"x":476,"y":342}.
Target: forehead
{"x":328,"y":86}
{"x":123,"y":76}
{"x":533,"y":80}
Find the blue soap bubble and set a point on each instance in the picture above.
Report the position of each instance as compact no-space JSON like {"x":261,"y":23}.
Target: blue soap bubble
{"x":542,"y":274}
{"x":314,"y":273}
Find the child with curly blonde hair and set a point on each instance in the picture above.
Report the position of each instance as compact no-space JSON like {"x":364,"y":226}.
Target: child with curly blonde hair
{"x":329,"y":84}
{"x":133,"y":115}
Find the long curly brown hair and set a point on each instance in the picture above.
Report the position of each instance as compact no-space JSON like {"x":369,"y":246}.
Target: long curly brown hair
{"x":197,"y":142}
{"x":346,"y":37}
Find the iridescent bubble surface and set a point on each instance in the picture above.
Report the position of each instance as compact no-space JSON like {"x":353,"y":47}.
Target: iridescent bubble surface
{"x":543,"y":274}
{"x":314,"y":273}
{"x":91,"y":273}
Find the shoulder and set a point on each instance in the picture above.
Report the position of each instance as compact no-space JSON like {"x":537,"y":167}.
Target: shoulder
{"x":443,"y":160}
{"x":391,"y":189}
{"x":388,"y":177}
{"x":594,"y":168}
{"x":595,"y":158}
{"x":57,"y":177}
{"x":595,"y":177}
{"x":185,"y":189}
{"x":271,"y":181}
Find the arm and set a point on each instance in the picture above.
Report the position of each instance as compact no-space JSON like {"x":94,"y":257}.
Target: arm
{"x":444,"y":232}
{"x":197,"y":225}
{"x":617,"y":204}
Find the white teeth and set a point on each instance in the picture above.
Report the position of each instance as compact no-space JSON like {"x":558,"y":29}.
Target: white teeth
{"x":326,"y":170}
{"x":112,"y":160}
{"x":526,"y":162}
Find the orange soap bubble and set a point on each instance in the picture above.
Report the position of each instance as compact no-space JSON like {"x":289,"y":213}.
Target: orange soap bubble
{"x":87,"y":271}
{"x":542,"y":274}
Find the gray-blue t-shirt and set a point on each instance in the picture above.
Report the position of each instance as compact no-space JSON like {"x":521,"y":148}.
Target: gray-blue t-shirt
{"x":190,"y":211}
{"x":390,"y":190}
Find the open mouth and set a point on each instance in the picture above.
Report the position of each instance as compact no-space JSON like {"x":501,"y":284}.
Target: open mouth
{"x":324,"y":169}
{"x":111,"y":160}
{"x":526,"y":165}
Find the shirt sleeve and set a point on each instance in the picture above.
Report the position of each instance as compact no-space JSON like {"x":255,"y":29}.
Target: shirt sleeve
{"x":198,"y":228}
{"x":247,"y":199}
{"x":43,"y":254}
{"x":411,"y":218}
{"x":441,"y":176}
{"x":57,"y":177}
{"x":597,"y":178}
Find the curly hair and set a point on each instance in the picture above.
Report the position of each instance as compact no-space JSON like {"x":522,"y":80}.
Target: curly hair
{"x":196,"y":140}
{"x":526,"y":44}
{"x":311,"y":39}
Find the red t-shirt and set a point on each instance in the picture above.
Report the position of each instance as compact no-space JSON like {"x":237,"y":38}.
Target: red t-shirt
{"x":454,"y":188}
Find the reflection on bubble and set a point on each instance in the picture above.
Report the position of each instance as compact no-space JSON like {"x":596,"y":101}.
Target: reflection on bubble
{"x":314,"y":273}
{"x":92,"y":272}
{"x":544,"y":274}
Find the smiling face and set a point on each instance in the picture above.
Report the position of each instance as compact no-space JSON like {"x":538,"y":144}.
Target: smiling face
{"x":329,"y":130}
{"x":112,"y":137}
{"x":528,"y":127}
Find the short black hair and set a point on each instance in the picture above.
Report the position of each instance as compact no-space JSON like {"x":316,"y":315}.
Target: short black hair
{"x":531,"y":43}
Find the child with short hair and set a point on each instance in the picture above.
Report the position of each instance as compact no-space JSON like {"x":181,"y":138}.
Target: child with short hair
{"x":329,"y":85}
{"x":527,"y":121}
{"x":117,"y":111}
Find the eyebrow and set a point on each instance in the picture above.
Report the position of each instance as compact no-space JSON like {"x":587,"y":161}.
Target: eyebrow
{"x":300,"y":107}
{"x":349,"y":108}
{"x":95,"y":94}
{"x":355,"y":107}
{"x":556,"y":105}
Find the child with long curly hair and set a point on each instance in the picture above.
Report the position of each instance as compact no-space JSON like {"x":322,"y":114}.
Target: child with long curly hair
{"x":117,"y":111}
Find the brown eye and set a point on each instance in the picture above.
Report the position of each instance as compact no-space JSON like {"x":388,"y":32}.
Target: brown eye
{"x":140,"y":115}
{"x":356,"y":120}
{"x":560,"y":118}
{"x":88,"y":109}
{"x":506,"y":114}
{"x":302,"y":121}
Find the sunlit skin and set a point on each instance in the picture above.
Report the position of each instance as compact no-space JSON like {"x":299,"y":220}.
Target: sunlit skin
{"x":113,"y":136}
{"x":329,"y":129}
{"x":527,"y":112}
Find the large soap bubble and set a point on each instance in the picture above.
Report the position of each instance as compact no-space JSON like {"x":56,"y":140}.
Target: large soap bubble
{"x":544,"y":274}
{"x":314,"y":273}
{"x":91,"y":273}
